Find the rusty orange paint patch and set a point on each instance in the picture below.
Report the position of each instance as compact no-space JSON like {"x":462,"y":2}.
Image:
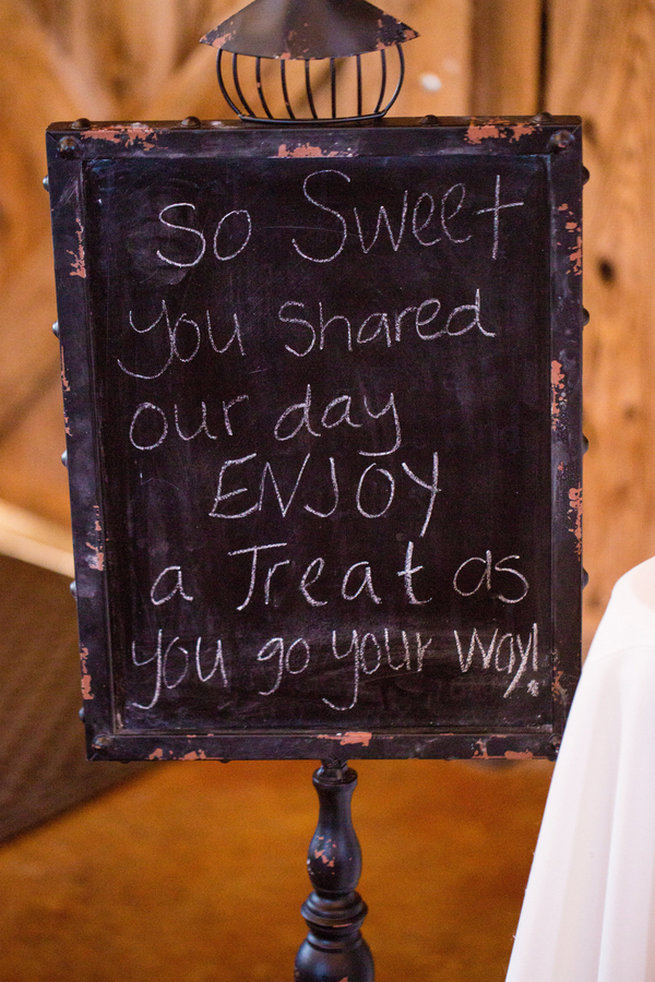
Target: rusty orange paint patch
{"x":324,"y":853}
{"x":96,"y":558}
{"x":477,"y":132}
{"x":78,"y":265}
{"x":348,"y":739}
{"x":575,"y":257}
{"x":559,"y":692}
{"x":87,"y":692}
{"x":308,"y":150}
{"x":219,"y":41}
{"x":575,"y":512}
{"x":132,"y":136}
{"x":64,"y":380}
{"x":157,"y":754}
{"x":482,"y":751}
{"x":141,"y":135}
{"x":497,"y":129}
{"x":194,"y":755}
{"x":558,"y":392}
{"x":521,"y":129}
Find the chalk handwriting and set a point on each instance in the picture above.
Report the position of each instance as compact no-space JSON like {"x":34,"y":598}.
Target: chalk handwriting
{"x":171,"y":664}
{"x":245,"y":485}
{"x":166,"y":586}
{"x":231,"y":237}
{"x":273,"y":565}
{"x":481,"y":573}
{"x":337,"y":331}
{"x":294,"y":660}
{"x":195,"y":246}
{"x":149,"y":426}
{"x":356,"y":581}
{"x":456,"y":225}
{"x":368,"y":652}
{"x":295,"y":419}
{"x":180,"y":340}
{"x":360,"y":654}
{"x":363,"y":655}
{"x":506,"y":654}
{"x":408,"y":573}
{"x":495,"y":211}
{"x":328,"y":446}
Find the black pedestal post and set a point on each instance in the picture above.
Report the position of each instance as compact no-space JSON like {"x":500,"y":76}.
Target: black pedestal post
{"x":334,"y":948}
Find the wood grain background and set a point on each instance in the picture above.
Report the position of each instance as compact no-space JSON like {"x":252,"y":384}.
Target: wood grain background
{"x":139,"y":59}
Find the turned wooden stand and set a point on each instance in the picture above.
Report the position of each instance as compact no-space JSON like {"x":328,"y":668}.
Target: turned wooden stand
{"x":334,"y":949}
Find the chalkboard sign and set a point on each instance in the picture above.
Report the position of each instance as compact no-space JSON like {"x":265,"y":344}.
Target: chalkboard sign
{"x":322,"y":398}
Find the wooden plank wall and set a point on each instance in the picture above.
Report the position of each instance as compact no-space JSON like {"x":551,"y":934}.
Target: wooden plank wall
{"x":140,"y":59}
{"x":601,"y":61}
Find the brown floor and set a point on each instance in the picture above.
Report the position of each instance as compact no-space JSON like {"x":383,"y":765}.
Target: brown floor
{"x":195,"y":872}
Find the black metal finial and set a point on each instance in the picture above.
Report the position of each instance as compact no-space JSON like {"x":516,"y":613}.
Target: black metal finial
{"x":306,"y":32}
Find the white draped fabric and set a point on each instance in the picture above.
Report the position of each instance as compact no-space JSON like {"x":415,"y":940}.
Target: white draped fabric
{"x":589,"y":908}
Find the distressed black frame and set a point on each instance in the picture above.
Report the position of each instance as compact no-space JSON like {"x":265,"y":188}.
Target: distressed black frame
{"x":71,"y":147}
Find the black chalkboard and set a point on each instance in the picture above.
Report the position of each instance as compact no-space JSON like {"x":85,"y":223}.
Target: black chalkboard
{"x":322,"y":393}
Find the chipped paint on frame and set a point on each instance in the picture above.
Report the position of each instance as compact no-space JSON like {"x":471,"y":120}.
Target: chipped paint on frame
{"x":160,"y":754}
{"x":482,"y":751}
{"x":65,"y":384}
{"x":348,"y":739}
{"x":575,"y":513}
{"x":308,"y":150}
{"x":87,"y":691}
{"x":477,"y":132}
{"x":560,"y":694}
{"x":132,"y":136}
{"x":498,"y":129}
{"x":571,"y":230}
{"x":558,"y":391}
{"x":78,"y":264}
{"x":575,"y":256}
{"x":96,"y":556}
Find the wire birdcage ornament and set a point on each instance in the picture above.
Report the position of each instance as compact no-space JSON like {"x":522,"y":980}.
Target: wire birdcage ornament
{"x":311,"y":41}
